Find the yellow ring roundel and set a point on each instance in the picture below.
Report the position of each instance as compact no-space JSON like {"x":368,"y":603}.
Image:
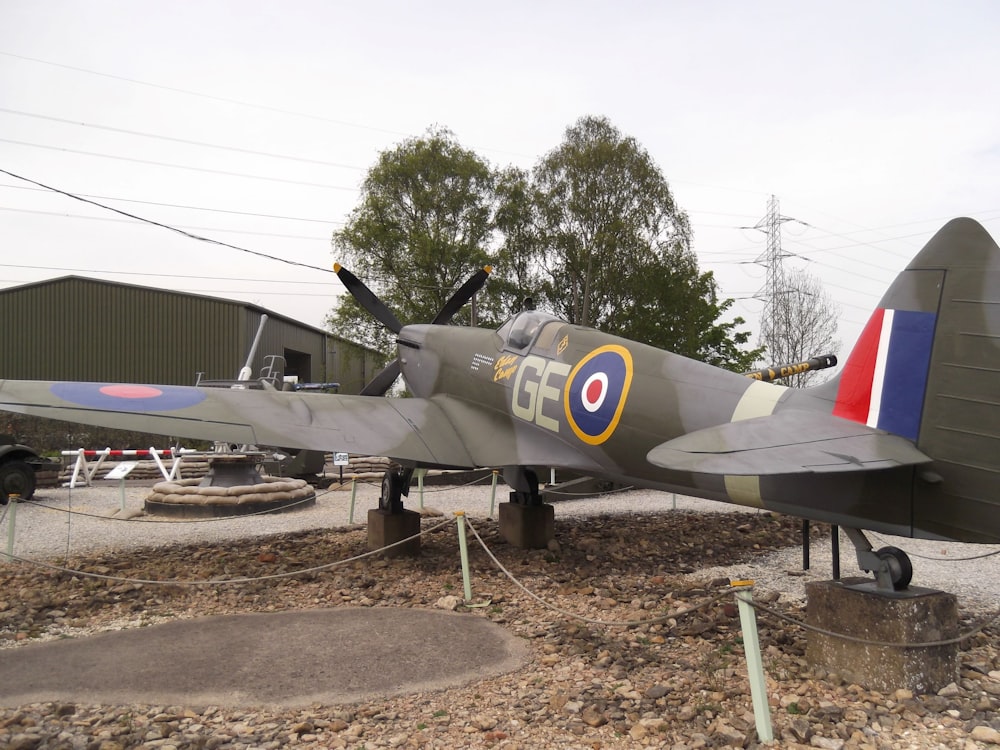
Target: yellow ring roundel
{"x":595,"y":393}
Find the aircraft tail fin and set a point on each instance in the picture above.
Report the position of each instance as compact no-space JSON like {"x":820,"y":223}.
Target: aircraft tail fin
{"x":927,"y":365}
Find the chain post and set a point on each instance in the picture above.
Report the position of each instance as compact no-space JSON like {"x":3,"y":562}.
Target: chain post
{"x":464,"y":549}
{"x":12,"y":501}
{"x":493,"y":494}
{"x":755,"y":664}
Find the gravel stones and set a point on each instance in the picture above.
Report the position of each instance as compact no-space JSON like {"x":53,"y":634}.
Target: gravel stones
{"x":678,"y":683}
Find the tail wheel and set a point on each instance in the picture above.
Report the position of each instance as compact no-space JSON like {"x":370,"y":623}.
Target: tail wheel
{"x":16,"y":478}
{"x":900,"y":568}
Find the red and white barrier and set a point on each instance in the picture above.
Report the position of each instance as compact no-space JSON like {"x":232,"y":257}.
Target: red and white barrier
{"x":90,"y":471}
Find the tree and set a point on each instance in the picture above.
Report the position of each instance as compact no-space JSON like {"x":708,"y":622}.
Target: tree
{"x":606,"y":211}
{"x":422,"y":227}
{"x":675,"y":307}
{"x":620,"y":249}
{"x":802,"y":324}
{"x":592,"y":233}
{"x":520,"y":258}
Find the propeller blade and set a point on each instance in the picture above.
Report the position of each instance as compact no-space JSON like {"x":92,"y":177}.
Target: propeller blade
{"x":463,"y":295}
{"x":382,"y":382}
{"x":367,"y":299}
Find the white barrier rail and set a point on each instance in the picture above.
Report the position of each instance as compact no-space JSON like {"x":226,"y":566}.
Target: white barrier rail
{"x":90,"y":471}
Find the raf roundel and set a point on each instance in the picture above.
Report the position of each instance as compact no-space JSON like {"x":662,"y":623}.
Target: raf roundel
{"x":126,"y":397}
{"x":595,"y":393}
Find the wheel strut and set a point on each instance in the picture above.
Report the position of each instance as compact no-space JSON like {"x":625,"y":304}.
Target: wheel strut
{"x":891,"y":565}
{"x":524,"y":485}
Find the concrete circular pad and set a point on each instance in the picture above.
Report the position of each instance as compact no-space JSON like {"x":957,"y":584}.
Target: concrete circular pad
{"x":288,"y":659}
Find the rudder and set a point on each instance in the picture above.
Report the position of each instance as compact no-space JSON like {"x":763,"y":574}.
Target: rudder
{"x":927,"y":367}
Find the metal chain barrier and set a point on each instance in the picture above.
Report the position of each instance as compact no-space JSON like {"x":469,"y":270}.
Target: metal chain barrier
{"x":780,"y":615}
{"x":603,"y":493}
{"x":548,"y":605}
{"x":881,"y":644}
{"x":228,"y":581}
{"x":941,"y":559}
{"x":449,"y":488}
{"x":174,"y":521}
{"x":574,"y":615}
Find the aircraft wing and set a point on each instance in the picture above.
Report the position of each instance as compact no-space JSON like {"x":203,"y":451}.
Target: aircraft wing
{"x":410,"y":429}
{"x":789,"y":442}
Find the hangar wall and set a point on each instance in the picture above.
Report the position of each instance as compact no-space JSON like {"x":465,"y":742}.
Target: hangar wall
{"x":75,"y":328}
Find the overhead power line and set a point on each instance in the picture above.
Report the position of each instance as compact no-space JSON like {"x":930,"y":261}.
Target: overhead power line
{"x":212,"y":97}
{"x":190,"y":235}
{"x":227,"y":292}
{"x":182,"y":232}
{"x":185,"y":141}
{"x":67,"y":269}
{"x":177,"y":166}
{"x":811,"y":250}
{"x":238,"y":102}
{"x":181,"y":205}
{"x":176,"y":226}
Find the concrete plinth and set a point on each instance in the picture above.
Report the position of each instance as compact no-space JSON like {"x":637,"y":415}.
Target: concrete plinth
{"x":387,"y":528}
{"x":527,"y":526}
{"x":855,"y":608}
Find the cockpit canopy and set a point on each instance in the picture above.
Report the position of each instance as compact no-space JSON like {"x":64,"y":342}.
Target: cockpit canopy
{"x":520,"y":330}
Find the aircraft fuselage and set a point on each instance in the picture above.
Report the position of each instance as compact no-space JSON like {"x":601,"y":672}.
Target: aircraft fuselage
{"x":607,"y":402}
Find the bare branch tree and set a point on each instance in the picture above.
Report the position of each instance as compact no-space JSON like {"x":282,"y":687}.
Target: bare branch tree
{"x":803,"y":324}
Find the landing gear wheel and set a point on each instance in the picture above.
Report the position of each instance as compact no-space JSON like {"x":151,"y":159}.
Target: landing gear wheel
{"x":900,"y":568}
{"x":394,"y":486}
{"x":16,"y":478}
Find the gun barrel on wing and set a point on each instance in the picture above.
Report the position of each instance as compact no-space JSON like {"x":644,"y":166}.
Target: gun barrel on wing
{"x":777,"y":372}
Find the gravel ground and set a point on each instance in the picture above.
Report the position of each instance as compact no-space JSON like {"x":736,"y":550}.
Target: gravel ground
{"x":970,"y":571}
{"x":679,"y":683}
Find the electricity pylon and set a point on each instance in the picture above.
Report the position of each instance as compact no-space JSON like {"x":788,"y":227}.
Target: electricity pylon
{"x":774,"y":285}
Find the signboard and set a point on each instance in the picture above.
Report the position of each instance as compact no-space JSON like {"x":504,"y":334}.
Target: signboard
{"x":340,"y":459}
{"x":122,"y":470}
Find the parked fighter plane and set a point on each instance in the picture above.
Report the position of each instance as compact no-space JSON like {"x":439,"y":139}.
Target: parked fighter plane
{"x":903,"y":441}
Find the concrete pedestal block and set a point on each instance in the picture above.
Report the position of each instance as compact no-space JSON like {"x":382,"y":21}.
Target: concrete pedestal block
{"x":855,"y":608}
{"x":527,"y":526}
{"x":387,"y":528}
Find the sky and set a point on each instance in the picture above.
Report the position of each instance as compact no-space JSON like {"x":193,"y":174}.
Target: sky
{"x":254,"y":123}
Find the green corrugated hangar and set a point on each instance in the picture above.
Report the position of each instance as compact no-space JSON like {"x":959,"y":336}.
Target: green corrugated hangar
{"x":75,"y":328}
